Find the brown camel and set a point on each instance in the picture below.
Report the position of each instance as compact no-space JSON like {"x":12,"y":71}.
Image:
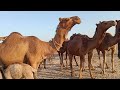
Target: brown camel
{"x":18,"y":49}
{"x":109,"y":43}
{"x":80,"y":46}
{"x":61,"y":51}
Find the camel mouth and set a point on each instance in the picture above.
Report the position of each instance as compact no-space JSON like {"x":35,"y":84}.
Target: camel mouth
{"x":78,"y":22}
{"x":114,"y":23}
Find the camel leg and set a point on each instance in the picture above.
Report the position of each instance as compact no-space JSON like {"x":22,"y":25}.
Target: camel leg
{"x":82,"y":58}
{"x":66,"y":60}
{"x":104,"y":61}
{"x":90,"y":54}
{"x":44,"y":61}
{"x":99,"y":58}
{"x":112,"y":60}
{"x":35,"y":66}
{"x":66,"y":64}
{"x":66,"y":55}
{"x":59,"y":57}
{"x":75,"y":61}
{"x":62,"y":64}
{"x":71,"y":67}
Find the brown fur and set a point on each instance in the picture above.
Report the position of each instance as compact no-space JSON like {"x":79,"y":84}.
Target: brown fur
{"x":62,"y":50}
{"x":16,"y":48}
{"x":79,"y":47}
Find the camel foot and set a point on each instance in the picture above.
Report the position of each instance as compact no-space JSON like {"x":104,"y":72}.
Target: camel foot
{"x":92,"y":68}
{"x":77,"y":65}
{"x":106,"y":67}
{"x":99,"y":66}
{"x":44,"y":67}
{"x":103,"y":73}
{"x":72,"y":74}
{"x":113,"y":71}
{"x":80,"y":77}
{"x":92,"y":77}
{"x":83,"y":69}
{"x":66,"y":67}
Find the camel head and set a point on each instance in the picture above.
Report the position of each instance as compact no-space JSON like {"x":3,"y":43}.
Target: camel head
{"x":117,"y":26}
{"x":76,"y":19}
{"x":64,"y":27}
{"x":105,"y":25}
{"x":118,"y":29}
{"x":68,"y":23}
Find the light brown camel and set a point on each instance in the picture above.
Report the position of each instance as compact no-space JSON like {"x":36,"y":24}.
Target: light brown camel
{"x":30,"y":49}
{"x":80,"y":46}
{"x":19,"y":71}
{"x":109,"y":43}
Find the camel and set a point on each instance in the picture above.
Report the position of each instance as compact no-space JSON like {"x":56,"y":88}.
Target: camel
{"x":30,"y":49}
{"x":19,"y":71}
{"x":80,"y":46}
{"x":62,"y":50}
{"x":107,"y":44}
{"x":118,"y":30}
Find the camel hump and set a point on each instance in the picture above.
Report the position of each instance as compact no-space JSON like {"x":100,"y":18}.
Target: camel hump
{"x":107,"y":38}
{"x":13,"y":38}
{"x":108,"y":34}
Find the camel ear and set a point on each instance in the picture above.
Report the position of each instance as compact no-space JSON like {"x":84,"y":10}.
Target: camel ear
{"x":96,"y":24}
{"x":67,"y":18}
{"x":117,"y":21}
{"x":60,"y":19}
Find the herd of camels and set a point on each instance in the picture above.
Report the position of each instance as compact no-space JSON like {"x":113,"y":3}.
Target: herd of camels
{"x":21,"y":56}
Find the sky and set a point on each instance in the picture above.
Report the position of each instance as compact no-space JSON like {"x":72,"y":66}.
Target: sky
{"x":42,"y":24}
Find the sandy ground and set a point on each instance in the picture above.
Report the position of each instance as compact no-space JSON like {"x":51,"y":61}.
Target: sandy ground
{"x":53,"y":70}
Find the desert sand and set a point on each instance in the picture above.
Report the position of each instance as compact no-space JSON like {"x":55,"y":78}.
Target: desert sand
{"x":53,"y":70}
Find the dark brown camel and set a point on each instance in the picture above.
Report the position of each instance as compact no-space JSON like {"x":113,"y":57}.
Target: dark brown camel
{"x":109,"y":43}
{"x":30,"y":49}
{"x":63,"y":50}
{"x":80,"y":46}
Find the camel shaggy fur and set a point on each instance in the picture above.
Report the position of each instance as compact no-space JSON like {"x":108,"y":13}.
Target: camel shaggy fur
{"x":19,"y":71}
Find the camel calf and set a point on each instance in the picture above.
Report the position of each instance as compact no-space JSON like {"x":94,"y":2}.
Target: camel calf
{"x":19,"y":71}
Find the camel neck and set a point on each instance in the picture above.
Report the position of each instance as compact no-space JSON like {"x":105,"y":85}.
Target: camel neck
{"x":97,"y":38}
{"x":114,"y":40}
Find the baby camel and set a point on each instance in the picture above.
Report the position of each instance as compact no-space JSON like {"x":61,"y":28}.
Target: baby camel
{"x":19,"y":71}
